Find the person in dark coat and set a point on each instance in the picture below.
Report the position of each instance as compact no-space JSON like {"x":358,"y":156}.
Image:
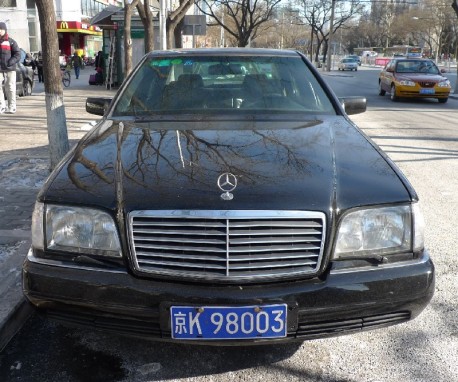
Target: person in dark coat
{"x":99,"y":67}
{"x":77,"y":63}
{"x":39,"y":65}
{"x":10,"y":55}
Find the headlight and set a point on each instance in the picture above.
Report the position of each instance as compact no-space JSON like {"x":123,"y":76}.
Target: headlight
{"x":75,"y":229}
{"x":380,"y":231}
{"x":444,"y":84}
{"x":407,"y":83}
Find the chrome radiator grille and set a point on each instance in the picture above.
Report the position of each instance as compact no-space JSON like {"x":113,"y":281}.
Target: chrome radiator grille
{"x":227,"y":245}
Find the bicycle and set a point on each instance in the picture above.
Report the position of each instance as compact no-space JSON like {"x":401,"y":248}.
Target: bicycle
{"x":66,"y":77}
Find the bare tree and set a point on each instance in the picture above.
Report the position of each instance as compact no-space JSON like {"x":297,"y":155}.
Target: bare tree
{"x":241,"y":19}
{"x":174,"y":20}
{"x":317,"y":13}
{"x":54,"y":94}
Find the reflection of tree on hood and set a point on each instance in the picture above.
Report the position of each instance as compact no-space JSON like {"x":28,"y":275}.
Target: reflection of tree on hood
{"x":196,"y":155}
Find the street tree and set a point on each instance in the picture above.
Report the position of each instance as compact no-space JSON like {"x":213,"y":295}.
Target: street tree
{"x":436,"y":16}
{"x":175,"y":21}
{"x":317,"y":13}
{"x":455,"y":8}
{"x":54,"y":93}
{"x":241,"y":19}
{"x":285,"y":30}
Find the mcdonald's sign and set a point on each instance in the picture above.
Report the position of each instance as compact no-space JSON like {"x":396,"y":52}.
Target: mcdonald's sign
{"x":78,"y":27}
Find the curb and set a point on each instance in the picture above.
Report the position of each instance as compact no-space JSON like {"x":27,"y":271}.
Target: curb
{"x":14,"y":321}
{"x":15,"y":309}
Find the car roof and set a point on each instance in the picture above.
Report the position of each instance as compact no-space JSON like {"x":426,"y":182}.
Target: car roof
{"x":225,"y":52}
{"x":412,"y":59}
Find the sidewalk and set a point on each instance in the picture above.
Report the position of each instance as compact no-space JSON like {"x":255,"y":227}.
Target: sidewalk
{"x":24,"y":165}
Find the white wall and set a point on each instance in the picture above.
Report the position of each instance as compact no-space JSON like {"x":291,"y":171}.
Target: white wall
{"x":16,"y":22}
{"x":68,"y":10}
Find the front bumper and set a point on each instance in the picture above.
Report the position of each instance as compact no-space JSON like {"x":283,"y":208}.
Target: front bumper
{"x":414,"y":92}
{"x":344,"y":302}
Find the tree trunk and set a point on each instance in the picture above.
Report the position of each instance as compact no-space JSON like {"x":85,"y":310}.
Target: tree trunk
{"x":128,"y":10}
{"x":178,"y":37}
{"x":455,"y":8}
{"x":54,"y":94}
{"x":144,"y":11}
{"x":149,"y":28}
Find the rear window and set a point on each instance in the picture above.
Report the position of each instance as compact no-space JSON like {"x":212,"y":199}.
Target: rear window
{"x":222,"y":84}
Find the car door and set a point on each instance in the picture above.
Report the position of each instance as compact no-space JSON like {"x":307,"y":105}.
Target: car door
{"x":19,"y":78}
{"x":386,"y":76}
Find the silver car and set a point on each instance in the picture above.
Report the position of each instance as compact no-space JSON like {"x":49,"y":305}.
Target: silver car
{"x":348,"y":64}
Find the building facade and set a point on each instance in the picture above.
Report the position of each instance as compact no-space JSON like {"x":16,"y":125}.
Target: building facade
{"x":72,"y":24}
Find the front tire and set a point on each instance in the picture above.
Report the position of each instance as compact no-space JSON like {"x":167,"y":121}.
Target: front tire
{"x":66,"y":79}
{"x":442,"y":100}
{"x":393,"y":95}
{"x":27,"y":89}
{"x":381,"y":92}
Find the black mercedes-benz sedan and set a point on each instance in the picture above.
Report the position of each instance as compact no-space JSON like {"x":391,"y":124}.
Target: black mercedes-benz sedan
{"x":226,"y":198}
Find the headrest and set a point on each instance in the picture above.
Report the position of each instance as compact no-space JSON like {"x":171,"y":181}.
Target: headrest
{"x":191,"y":80}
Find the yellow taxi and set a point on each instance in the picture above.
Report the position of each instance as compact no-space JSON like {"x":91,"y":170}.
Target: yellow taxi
{"x":413,"y":78}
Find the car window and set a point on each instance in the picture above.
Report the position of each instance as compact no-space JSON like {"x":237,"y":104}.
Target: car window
{"x":232,"y":84}
{"x":427,"y":67}
{"x":416,"y":66}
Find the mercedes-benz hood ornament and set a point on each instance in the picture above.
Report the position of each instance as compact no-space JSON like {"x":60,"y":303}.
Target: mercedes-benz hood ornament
{"x":227,"y":182}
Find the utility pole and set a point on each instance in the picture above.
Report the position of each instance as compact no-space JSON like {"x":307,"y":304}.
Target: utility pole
{"x":163,"y":24}
{"x":331,"y":29}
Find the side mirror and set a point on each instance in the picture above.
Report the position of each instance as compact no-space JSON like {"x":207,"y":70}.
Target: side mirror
{"x":98,"y":105}
{"x":391,"y":70}
{"x":443,"y":70}
{"x":354,"y":105}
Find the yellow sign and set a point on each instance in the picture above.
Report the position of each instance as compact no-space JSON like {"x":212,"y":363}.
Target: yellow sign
{"x":63,"y":25}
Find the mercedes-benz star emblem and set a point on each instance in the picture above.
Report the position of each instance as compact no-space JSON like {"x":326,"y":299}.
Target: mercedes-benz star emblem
{"x":227,"y":182}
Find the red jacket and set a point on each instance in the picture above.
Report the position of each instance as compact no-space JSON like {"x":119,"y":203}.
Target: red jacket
{"x":10,"y":54}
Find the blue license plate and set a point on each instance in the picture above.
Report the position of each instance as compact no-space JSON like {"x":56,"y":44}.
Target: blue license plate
{"x":228,"y":322}
{"x":427,"y":91}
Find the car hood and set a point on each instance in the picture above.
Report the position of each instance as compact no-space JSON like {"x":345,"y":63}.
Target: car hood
{"x":317,"y":165}
{"x":420,"y":77}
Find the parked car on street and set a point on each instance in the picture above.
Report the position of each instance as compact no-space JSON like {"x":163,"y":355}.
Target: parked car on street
{"x":355,"y":57}
{"x":348,"y":64}
{"x":413,"y":78}
{"x":225,"y":198}
{"x":24,"y":80}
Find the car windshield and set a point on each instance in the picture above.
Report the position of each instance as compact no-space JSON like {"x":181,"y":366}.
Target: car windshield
{"x":191,"y":84}
{"x":348,"y":60}
{"x":415,"y":66}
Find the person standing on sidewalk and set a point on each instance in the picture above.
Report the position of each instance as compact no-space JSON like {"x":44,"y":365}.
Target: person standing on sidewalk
{"x":39,"y":65}
{"x":10,"y":55}
{"x":77,"y":63}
